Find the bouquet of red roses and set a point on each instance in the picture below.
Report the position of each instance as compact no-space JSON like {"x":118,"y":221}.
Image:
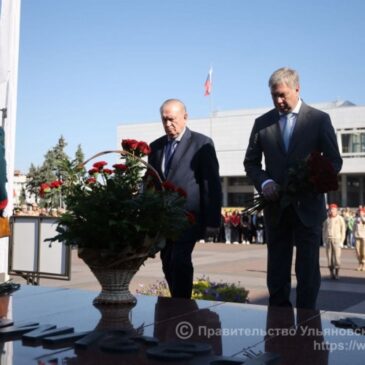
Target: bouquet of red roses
{"x":313,"y":174}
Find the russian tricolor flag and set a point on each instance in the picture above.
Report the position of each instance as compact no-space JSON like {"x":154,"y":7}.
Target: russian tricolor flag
{"x":208,"y":83}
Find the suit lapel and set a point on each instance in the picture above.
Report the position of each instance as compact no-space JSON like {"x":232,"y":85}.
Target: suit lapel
{"x":276,"y":132}
{"x":179,"y":153}
{"x":298,"y":131}
{"x":159,"y":155}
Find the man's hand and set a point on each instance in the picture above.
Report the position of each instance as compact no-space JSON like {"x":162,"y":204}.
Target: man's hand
{"x":271,"y":191}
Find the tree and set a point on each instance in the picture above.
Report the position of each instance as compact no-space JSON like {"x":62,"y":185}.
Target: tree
{"x":22,"y":196}
{"x":52,"y":166}
{"x":55,"y":167}
{"x":79,"y":155}
{"x":34,"y":179}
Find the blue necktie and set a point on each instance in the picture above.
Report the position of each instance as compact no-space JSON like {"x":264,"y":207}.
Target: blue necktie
{"x":169,"y":152}
{"x":288,"y":127}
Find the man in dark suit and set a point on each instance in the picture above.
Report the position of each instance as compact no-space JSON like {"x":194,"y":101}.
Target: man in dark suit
{"x":188,"y":160}
{"x":284,"y":135}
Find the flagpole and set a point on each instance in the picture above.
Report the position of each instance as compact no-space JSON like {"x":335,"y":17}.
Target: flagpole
{"x":211,"y":101}
{"x":211,"y":115}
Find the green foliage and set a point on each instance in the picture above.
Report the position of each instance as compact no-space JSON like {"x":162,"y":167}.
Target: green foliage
{"x":51,"y":170}
{"x":34,"y":178}
{"x":79,"y":155}
{"x":159,"y":289}
{"x":203,"y":289}
{"x":22,"y":197}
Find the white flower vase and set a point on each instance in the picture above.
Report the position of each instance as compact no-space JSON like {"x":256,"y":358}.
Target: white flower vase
{"x":114,"y":286}
{"x":114,"y":273}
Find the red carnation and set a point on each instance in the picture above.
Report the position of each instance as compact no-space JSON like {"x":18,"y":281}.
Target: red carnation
{"x":99,"y":165}
{"x":144,"y":148}
{"x":91,"y":180}
{"x":129,"y":144}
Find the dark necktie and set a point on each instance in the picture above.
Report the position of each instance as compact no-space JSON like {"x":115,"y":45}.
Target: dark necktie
{"x":169,"y":152}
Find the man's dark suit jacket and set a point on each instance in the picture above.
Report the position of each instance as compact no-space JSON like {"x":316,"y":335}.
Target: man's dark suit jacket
{"x":194,"y":168}
{"x":313,"y":131}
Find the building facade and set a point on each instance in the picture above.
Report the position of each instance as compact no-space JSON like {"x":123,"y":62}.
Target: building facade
{"x":230,"y":131}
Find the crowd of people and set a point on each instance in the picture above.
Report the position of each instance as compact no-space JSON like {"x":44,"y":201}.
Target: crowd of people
{"x":238,"y":227}
{"x":34,"y":210}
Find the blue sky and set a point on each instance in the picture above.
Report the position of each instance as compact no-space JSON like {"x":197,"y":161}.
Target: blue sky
{"x":87,"y":66}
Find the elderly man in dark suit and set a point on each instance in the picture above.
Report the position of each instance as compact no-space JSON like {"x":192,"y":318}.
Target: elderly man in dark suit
{"x":284,"y":135}
{"x":188,"y":160}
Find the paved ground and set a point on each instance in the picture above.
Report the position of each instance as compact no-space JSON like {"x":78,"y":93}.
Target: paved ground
{"x":239,"y":263}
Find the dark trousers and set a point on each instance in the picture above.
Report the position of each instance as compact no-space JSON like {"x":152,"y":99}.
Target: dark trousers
{"x":281,"y":239}
{"x":178,"y":268}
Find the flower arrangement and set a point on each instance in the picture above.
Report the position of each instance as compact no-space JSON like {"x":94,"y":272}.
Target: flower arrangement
{"x":118,"y":208}
{"x":313,"y":174}
{"x":204,"y":289}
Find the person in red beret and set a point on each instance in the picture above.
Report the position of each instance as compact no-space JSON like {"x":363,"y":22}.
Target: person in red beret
{"x":334,"y":233}
{"x":359,"y":233}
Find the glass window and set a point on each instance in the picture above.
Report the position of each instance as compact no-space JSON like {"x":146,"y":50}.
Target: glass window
{"x":353,"y":191}
{"x":353,"y":142}
{"x":238,"y":181}
{"x":238,"y":199}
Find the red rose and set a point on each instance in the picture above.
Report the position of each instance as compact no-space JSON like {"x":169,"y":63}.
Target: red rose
{"x":129,"y":144}
{"x":93,"y":171}
{"x":120,"y":167}
{"x":144,"y":148}
{"x":44,"y":188}
{"x":99,"y":165}
{"x":55,"y":184}
{"x":150,"y":180}
{"x":91,"y":180}
{"x":181,"y":192}
{"x":107,"y":171}
{"x":167,"y":185}
{"x":321,"y":173}
{"x":150,"y":173}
